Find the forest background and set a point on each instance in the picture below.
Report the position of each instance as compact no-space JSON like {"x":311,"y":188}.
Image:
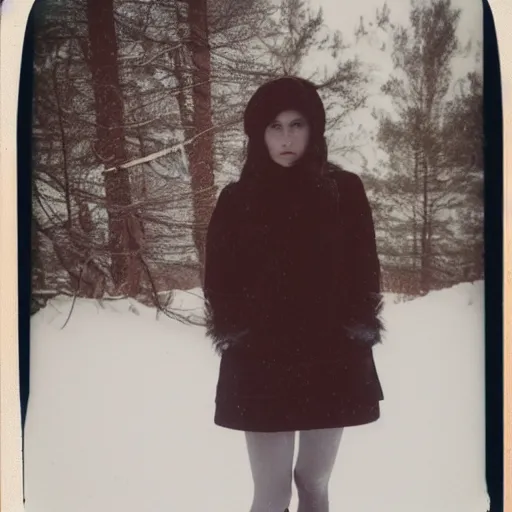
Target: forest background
{"x":137,"y":126}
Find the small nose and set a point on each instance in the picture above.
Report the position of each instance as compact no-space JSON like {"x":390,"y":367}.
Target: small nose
{"x":286,"y":138}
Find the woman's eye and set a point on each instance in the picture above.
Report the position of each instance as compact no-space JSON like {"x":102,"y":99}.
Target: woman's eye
{"x":297,"y":124}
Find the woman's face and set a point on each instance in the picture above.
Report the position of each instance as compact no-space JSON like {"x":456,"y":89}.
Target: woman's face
{"x":287,"y":138}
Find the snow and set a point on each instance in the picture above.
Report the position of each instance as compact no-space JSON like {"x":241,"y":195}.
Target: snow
{"x":121,"y":413}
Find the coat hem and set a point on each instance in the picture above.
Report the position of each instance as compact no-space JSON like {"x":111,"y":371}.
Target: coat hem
{"x":288,"y":421}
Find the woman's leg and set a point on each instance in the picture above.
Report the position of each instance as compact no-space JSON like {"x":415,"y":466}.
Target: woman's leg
{"x":271,"y":459}
{"x":317,"y":454}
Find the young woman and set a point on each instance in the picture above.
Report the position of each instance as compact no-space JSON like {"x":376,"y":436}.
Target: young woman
{"x":292,"y":289}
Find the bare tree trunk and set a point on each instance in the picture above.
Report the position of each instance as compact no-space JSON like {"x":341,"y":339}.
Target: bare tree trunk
{"x":425,"y":263}
{"x":182,"y":70}
{"x":415,"y":215}
{"x":64,"y":148}
{"x":38,"y":271}
{"x":202,"y":163}
{"x":194,"y":65}
{"x":124,"y":225}
{"x":141,"y":185}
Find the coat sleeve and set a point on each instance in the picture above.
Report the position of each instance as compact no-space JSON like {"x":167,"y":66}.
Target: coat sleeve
{"x":223,"y":290}
{"x":365,"y":298}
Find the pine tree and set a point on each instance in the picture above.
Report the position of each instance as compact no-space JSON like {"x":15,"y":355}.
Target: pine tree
{"x":125,"y":230}
{"x":181,"y":74}
{"x":420,"y":184}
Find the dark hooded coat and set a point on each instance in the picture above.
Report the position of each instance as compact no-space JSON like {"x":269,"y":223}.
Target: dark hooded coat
{"x":292,"y":288}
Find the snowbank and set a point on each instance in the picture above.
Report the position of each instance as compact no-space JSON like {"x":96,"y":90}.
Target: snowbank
{"x":121,"y":407}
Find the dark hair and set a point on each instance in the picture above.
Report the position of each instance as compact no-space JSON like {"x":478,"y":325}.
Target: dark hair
{"x":272,"y":98}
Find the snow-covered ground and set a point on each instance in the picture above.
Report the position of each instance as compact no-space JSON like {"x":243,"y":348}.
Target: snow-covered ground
{"x":121,"y":408}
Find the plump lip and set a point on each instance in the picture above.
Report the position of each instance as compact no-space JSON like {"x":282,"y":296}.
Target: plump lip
{"x":284,"y":153}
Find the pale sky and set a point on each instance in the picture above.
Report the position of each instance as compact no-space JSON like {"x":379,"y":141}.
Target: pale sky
{"x":346,"y":19}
